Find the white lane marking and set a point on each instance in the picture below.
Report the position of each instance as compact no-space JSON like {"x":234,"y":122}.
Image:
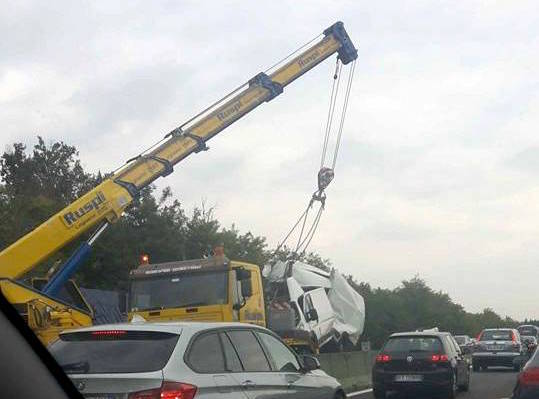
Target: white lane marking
{"x":357,"y":393}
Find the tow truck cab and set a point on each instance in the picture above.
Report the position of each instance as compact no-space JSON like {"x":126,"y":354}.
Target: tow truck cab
{"x":213,"y":289}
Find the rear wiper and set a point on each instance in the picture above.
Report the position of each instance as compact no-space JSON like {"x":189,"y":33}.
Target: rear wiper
{"x":82,"y":367}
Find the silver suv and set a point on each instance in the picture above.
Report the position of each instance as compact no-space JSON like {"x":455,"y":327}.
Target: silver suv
{"x":188,"y":360}
{"x":497,"y":347}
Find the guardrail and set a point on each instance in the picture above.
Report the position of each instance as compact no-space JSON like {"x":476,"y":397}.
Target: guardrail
{"x":352,"y":369}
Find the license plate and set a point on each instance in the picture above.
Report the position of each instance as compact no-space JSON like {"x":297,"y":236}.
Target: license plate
{"x":495,"y":347}
{"x":408,"y":378}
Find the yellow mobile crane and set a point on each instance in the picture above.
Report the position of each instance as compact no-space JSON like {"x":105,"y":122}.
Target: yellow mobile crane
{"x":46,"y":314}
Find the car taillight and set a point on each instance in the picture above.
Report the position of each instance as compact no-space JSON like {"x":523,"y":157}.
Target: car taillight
{"x":479,"y":336}
{"x":513,"y":337}
{"x":439,"y":358}
{"x":529,"y":376}
{"x":383,"y":358}
{"x":168,"y":390}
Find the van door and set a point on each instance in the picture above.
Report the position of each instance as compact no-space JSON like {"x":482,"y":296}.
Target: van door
{"x":323,"y":325}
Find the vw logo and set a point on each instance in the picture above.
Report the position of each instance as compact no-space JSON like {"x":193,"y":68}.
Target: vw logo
{"x":81,"y":385}
{"x":409,"y":359}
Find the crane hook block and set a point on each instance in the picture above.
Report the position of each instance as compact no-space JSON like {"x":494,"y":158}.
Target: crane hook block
{"x":325,"y":176}
{"x":347,"y":51}
{"x":265,"y":81}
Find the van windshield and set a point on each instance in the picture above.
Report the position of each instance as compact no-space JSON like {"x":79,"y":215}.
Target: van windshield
{"x":183,"y":290}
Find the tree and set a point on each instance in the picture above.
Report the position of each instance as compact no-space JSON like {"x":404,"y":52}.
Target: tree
{"x":36,"y":185}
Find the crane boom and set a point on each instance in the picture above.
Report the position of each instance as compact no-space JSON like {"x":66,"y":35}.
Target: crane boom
{"x":107,"y":201}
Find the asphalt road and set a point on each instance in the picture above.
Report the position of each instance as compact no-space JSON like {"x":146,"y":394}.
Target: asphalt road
{"x":491,"y":384}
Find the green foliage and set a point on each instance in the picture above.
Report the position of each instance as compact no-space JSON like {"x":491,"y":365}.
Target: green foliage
{"x":35,"y":186}
{"x":414,"y":305}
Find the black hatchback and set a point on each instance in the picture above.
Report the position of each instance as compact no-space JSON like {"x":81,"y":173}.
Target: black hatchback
{"x":421,"y":361}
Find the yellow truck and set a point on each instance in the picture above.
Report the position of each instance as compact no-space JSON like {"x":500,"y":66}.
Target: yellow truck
{"x":212,"y":289}
{"x":105,"y":204}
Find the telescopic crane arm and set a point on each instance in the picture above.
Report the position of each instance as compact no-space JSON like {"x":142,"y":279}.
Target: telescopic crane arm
{"x":106,"y":202}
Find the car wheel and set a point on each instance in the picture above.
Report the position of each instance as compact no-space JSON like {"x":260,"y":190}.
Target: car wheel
{"x":340,"y":395}
{"x":379,"y":393}
{"x":466,"y":386}
{"x":452,"y":389}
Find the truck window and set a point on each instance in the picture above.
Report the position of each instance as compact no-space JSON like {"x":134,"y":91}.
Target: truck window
{"x":182,"y":290}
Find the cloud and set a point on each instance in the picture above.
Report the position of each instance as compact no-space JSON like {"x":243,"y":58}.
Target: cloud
{"x":436,"y":171}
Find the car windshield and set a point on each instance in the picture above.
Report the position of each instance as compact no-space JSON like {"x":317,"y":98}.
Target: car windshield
{"x":113,"y":351}
{"x":413,"y":344}
{"x":182,"y":290}
{"x":497,"y":335}
{"x":460,"y":339}
{"x":530,"y":331}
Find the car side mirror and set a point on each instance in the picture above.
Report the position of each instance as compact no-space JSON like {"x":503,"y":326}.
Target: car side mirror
{"x":312,"y":315}
{"x":246,"y":288}
{"x":310,"y":363}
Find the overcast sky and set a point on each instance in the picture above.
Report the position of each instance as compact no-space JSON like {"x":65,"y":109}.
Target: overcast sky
{"x":438,"y":172}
